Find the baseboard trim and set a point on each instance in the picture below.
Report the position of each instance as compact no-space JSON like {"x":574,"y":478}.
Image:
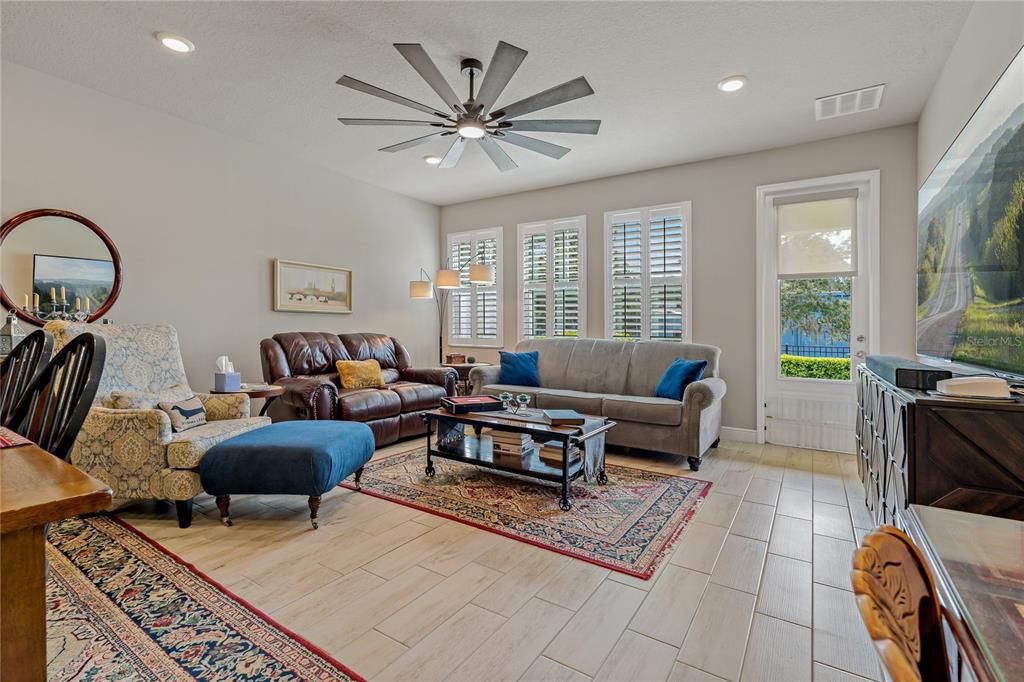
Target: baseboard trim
{"x":737,"y":434}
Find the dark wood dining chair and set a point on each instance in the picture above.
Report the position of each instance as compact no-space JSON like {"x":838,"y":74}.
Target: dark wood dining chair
{"x":20,"y":367}
{"x":57,"y":400}
{"x":898,"y":601}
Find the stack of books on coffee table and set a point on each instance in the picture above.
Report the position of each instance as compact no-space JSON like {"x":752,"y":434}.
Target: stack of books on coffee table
{"x":551,"y":454}
{"x":509,"y":444}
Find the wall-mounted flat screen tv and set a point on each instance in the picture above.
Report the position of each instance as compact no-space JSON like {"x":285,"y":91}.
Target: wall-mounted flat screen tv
{"x":970,"y":238}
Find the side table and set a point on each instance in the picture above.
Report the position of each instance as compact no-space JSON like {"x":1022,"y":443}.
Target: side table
{"x":464,"y":368}
{"x":268,"y":393}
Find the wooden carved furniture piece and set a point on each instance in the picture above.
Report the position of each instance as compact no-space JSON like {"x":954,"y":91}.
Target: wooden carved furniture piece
{"x":978,"y":564}
{"x":451,"y":444}
{"x":915,"y":448}
{"x":896,"y":596}
{"x":36,"y":488}
{"x":20,"y":367}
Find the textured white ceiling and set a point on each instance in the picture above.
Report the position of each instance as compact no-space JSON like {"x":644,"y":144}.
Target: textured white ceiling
{"x":266,"y":72}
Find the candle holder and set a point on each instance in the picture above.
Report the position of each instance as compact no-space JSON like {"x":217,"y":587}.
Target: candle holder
{"x":58,"y":311}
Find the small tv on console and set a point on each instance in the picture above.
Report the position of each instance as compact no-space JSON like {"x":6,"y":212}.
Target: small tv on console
{"x":970,"y":239}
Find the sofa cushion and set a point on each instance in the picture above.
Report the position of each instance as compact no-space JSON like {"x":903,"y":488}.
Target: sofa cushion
{"x":651,"y":358}
{"x":311,"y":352}
{"x":379,"y":347}
{"x":187,"y":448}
{"x":645,"y":410}
{"x":185,"y":414}
{"x":365,"y":404}
{"x":679,"y":374}
{"x":564,"y":399}
{"x":599,"y":366}
{"x":519,"y":368}
{"x":359,"y":373}
{"x":416,"y":396}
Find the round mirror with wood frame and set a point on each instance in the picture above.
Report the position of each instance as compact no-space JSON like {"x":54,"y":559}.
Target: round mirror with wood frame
{"x":26,"y":313}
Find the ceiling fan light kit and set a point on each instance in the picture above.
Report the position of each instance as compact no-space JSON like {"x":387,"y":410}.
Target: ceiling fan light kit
{"x":473,"y":119}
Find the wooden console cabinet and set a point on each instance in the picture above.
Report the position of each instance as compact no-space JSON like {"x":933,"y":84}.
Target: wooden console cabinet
{"x":915,"y":448}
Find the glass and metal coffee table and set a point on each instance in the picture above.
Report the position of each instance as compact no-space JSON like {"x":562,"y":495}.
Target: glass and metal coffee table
{"x":447,"y":439}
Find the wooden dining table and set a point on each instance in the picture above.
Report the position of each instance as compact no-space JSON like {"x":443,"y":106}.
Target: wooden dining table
{"x":36,"y":488}
{"x":978,"y":562}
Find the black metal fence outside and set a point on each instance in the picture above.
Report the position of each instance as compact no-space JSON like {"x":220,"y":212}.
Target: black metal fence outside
{"x":816,"y":351}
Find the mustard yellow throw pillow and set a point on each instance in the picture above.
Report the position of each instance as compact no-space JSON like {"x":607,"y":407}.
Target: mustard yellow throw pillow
{"x":360,"y":373}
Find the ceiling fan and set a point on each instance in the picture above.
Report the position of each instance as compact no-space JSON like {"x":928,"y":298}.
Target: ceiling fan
{"x":474,"y":119}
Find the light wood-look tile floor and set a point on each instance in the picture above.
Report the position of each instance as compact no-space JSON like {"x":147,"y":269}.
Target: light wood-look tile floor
{"x":757,"y":588}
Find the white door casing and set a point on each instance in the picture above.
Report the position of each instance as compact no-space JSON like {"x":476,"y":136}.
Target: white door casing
{"x":815,"y":413}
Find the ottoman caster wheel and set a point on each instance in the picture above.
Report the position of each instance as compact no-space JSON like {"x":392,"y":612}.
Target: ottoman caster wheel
{"x":564,"y":505}
{"x":315,"y":524}
{"x":602,"y":478}
{"x":429,"y":471}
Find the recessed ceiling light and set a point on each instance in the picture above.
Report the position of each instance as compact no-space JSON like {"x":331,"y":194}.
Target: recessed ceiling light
{"x":432,"y":159}
{"x":732,"y":83}
{"x":175,"y":43}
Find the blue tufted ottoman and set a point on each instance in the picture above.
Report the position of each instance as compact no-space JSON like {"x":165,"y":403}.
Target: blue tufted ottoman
{"x":287,"y":458}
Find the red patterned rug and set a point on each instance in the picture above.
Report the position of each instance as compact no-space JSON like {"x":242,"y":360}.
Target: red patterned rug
{"x":628,"y":525}
{"x":119,"y":607}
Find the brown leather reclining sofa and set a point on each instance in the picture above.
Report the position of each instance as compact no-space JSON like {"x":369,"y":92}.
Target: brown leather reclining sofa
{"x":303,"y":363}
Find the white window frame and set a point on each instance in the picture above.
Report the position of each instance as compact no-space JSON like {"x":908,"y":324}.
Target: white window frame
{"x":547,"y":228}
{"x":475,"y":236}
{"x":684,"y":210}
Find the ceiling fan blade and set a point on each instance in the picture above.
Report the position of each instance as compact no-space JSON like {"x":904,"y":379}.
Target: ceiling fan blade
{"x":453,"y":154}
{"x":425,"y":67}
{"x":387,"y":122}
{"x":580,"y":126}
{"x":415,"y":142}
{"x":502,"y":160}
{"x":534,"y":145}
{"x":504,"y":63}
{"x":349,"y":82}
{"x":566,"y":92}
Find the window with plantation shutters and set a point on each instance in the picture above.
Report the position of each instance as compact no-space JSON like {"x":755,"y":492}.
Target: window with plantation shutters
{"x":647,"y":275}
{"x":475,"y":309}
{"x":552,"y":286}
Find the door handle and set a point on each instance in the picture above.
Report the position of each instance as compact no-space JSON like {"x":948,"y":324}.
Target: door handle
{"x":860,"y":338}
{"x":859,"y":354}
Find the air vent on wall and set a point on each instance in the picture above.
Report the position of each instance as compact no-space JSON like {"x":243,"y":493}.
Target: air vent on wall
{"x":846,"y":103}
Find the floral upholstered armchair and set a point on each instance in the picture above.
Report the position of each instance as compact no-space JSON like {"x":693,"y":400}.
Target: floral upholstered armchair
{"x":126,"y":441}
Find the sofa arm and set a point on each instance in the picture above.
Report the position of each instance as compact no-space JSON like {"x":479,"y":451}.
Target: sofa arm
{"x":484,"y":376}
{"x":439,"y":376}
{"x":313,"y":396}
{"x":223,"y":406}
{"x":142,"y":434}
{"x":701,"y":394}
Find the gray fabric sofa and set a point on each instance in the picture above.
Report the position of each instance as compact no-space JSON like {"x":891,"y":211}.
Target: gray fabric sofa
{"x":617,"y":379}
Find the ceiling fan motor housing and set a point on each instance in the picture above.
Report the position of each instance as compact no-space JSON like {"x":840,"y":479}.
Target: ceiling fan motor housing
{"x":472,"y":66}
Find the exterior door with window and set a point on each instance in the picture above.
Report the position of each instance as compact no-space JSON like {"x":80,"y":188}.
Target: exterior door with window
{"x":816,"y":252}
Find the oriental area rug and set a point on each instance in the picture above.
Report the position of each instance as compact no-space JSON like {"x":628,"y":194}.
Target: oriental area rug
{"x":628,"y":525}
{"x":119,"y":607}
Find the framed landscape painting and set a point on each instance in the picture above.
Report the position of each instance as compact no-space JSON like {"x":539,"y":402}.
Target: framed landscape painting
{"x":309,"y":288}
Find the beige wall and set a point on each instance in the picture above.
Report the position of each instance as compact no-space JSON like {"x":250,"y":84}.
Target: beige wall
{"x":722,"y":192}
{"x":991,"y":36}
{"x":199,"y":217}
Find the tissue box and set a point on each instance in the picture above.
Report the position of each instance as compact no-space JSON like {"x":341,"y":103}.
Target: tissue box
{"x":227,"y":382}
